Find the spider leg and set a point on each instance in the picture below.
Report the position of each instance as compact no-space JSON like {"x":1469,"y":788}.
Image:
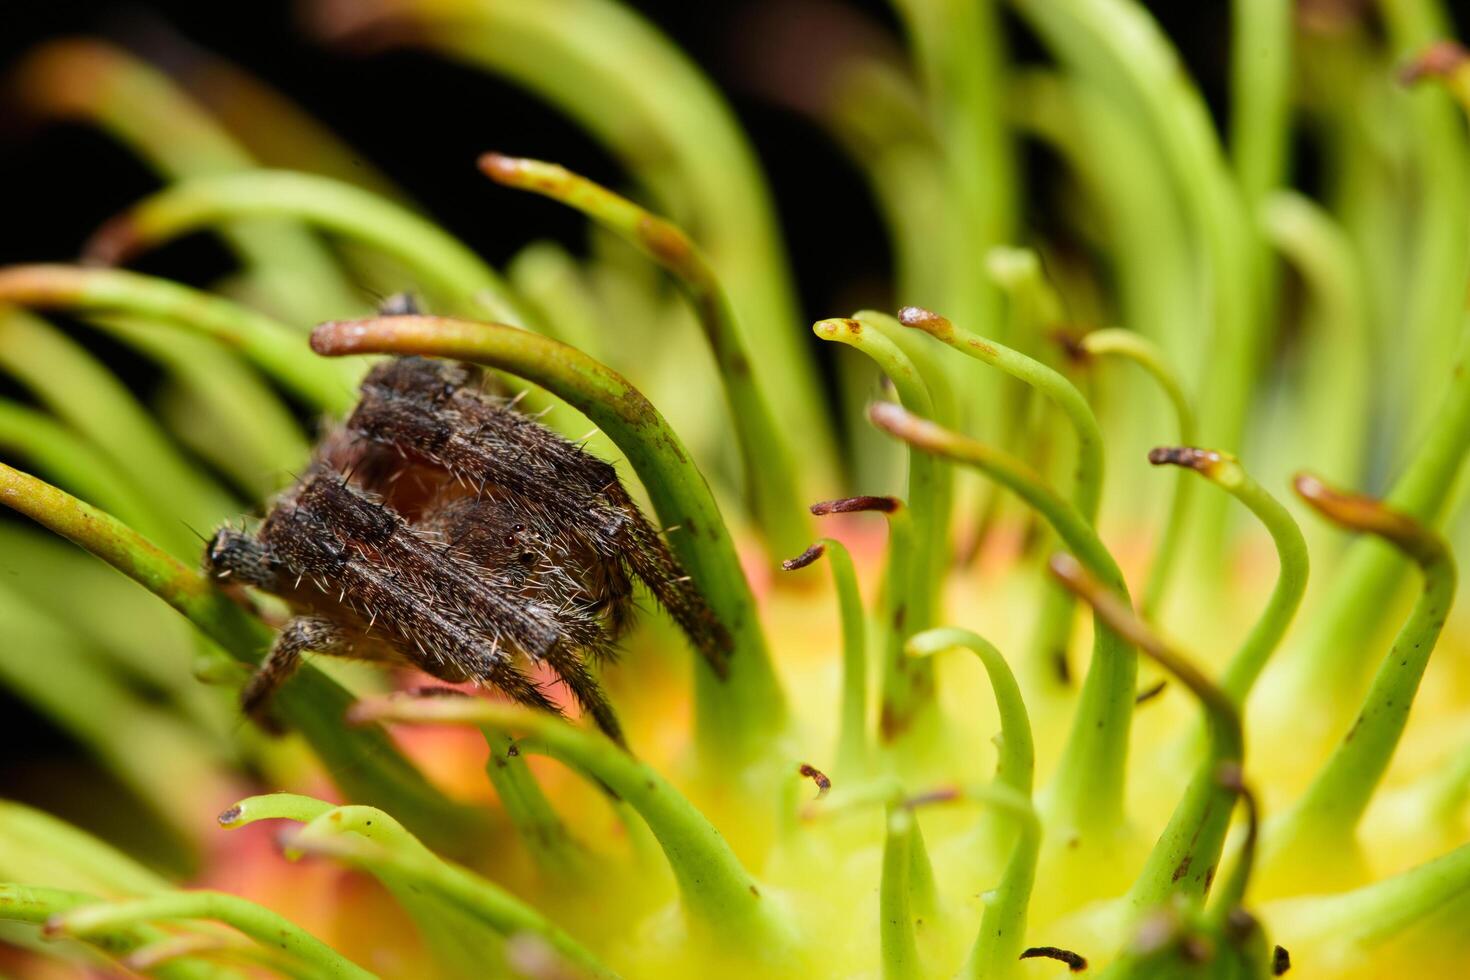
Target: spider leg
{"x":584,"y":687}
{"x":299,"y":635}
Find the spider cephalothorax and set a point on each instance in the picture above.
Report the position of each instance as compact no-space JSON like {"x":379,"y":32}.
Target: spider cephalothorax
{"x":442,"y":528}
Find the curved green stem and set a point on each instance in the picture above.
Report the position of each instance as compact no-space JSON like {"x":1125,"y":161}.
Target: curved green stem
{"x":718,"y":893}
{"x":537,"y":824}
{"x":907,"y":687}
{"x":275,"y":348}
{"x":852,"y":729}
{"x":1002,"y":931}
{"x":1196,"y":830}
{"x":145,"y":109}
{"x":56,"y":450}
{"x":1016,"y":764}
{"x":736,"y":714}
{"x":1088,"y":793}
{"x":1225,"y":471}
{"x":27,"y":903}
{"x":670,"y":128}
{"x":443,"y":265}
{"x":81,"y":391}
{"x":1147,"y":355}
{"x":365,"y":763}
{"x":257,"y":922}
{"x":764,"y":449}
{"x":372,"y":840}
{"x":1328,"y":813}
{"x":251,"y":434}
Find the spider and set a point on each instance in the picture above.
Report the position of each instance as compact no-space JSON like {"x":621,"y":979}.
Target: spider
{"x":442,"y":528}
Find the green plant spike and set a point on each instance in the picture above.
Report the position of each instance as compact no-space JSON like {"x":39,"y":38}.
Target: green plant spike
{"x":1130,"y":346}
{"x":1002,"y":933}
{"x":718,"y":894}
{"x":276,"y":349}
{"x":671,"y":129}
{"x":1054,"y":621}
{"x":852,"y":728}
{"x":372,"y":840}
{"x":1260,"y":94}
{"x":1190,"y":845}
{"x":1358,"y":920}
{"x":38,"y":906}
{"x":34,"y":844}
{"x":1225,"y":471}
{"x":1016,"y":764}
{"x":1087,"y":796}
{"x":537,"y":824}
{"x":765,"y":449}
{"x":897,"y":939}
{"x":737,"y":715}
{"x":1341,"y":356}
{"x":443,"y":265}
{"x":1325,"y":819}
{"x":367,"y":764}
{"x":897,"y":673}
{"x":907,"y":687}
{"x":257,"y":922}
{"x":155,"y":117}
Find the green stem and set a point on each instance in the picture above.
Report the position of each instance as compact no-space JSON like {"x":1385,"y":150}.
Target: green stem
{"x":717,"y":891}
{"x":443,"y":265}
{"x":1049,"y":643}
{"x":1016,"y":765}
{"x":1147,"y":355}
{"x":372,"y":840}
{"x":1196,"y":830}
{"x":765,"y":449}
{"x":70,"y":460}
{"x":1341,"y":346}
{"x":158,"y":120}
{"x":260,"y":924}
{"x":1225,"y":471}
{"x":1260,"y":89}
{"x":1328,"y":813}
{"x":251,"y":434}
{"x":275,"y":348}
{"x":29,"y":835}
{"x":852,"y":730}
{"x":82,"y":392}
{"x":26,"y":903}
{"x":538,"y":825}
{"x":1002,"y":931}
{"x":1088,"y":792}
{"x":1366,"y":916}
{"x":671,"y":129}
{"x":907,"y":687}
{"x":899,"y":946}
{"x":735,"y":715}
{"x":365,"y":763}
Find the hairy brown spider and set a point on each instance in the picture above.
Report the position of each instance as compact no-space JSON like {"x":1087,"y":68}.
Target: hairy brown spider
{"x":440,"y":527}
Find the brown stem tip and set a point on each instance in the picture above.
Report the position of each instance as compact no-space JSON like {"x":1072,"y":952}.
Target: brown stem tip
{"x":1280,"y":961}
{"x":853,"y":505}
{"x":1201,"y":460}
{"x":805,"y":558}
{"x":1439,"y":60}
{"x":925,"y":320}
{"x":1074,"y":962}
{"x":1149,"y":693}
{"x":1360,"y":512}
{"x":817,"y":776}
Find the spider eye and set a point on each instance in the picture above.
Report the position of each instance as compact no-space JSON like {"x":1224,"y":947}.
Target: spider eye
{"x":510,"y":539}
{"x":527,"y":558}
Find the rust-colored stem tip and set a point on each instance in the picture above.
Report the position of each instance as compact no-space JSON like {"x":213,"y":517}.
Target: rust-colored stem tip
{"x":111,"y":245}
{"x":852,"y":505}
{"x":817,"y":776}
{"x":1074,"y":962}
{"x":805,"y":558}
{"x":917,"y":316}
{"x":1439,"y":60}
{"x":499,"y":167}
{"x":1187,"y":456}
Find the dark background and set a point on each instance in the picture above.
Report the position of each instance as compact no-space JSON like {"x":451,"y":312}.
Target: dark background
{"x":422,"y":121}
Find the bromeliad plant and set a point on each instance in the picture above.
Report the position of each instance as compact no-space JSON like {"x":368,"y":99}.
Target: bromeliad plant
{"x":1203,"y":793}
